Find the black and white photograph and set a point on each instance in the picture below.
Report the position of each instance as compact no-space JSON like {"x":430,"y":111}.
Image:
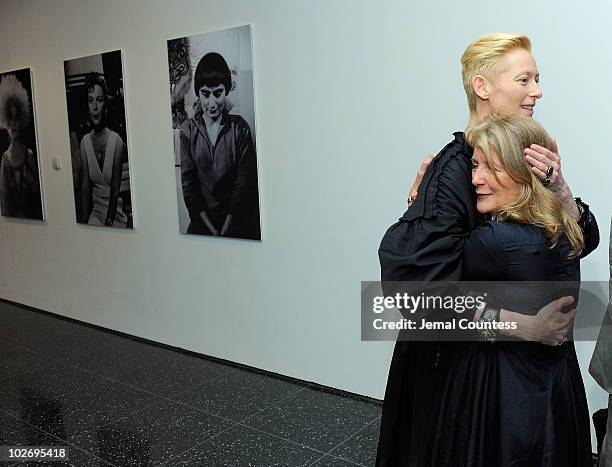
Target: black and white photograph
{"x":213,"y":120}
{"x":98,"y":140}
{"x":20,"y":184}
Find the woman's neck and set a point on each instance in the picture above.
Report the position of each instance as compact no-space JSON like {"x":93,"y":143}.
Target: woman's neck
{"x":98,"y":131}
{"x":479,"y":115}
{"x":210,"y":122}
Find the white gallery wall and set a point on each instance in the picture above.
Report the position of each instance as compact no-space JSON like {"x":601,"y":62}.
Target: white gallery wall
{"x":350,"y":96}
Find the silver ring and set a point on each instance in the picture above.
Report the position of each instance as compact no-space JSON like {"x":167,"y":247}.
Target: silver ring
{"x":562,"y":341}
{"x":546,"y":181}
{"x":549,"y":171}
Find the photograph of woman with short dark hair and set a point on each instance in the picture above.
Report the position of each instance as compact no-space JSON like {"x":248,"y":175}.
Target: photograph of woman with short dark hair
{"x":94,"y":88}
{"x":214,"y":146}
{"x":20,"y":194}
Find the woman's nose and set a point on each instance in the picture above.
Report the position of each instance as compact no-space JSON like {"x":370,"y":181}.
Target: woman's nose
{"x":476,"y":177}
{"x":536,"y":92}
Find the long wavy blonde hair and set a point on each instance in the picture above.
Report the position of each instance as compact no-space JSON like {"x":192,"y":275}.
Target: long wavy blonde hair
{"x":506,"y":137}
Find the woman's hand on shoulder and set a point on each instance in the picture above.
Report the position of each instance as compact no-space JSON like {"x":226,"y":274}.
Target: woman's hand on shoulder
{"x":546,"y":165}
{"x":414,"y":189}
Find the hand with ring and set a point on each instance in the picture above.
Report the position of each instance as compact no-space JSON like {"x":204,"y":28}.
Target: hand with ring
{"x":549,"y":171}
{"x":546,"y":165}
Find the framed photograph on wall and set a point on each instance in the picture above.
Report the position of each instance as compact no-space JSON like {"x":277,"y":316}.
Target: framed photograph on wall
{"x":98,"y":140}
{"x":20,"y":179}
{"x":213,"y":120}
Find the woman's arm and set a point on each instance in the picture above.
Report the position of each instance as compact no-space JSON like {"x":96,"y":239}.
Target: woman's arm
{"x":427,"y":242}
{"x":84,"y":204}
{"x":4,"y":187}
{"x":549,"y":326}
{"x":246,"y":173}
{"x":190,"y":183}
{"x":115,"y":181}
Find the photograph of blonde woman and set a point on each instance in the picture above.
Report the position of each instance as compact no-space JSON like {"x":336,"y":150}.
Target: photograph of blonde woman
{"x":20,"y":193}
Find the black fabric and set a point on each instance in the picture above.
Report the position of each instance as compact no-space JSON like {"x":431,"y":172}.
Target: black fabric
{"x":427,"y":244}
{"x":519,"y":404}
{"x":424,"y":245}
{"x":589,"y":227}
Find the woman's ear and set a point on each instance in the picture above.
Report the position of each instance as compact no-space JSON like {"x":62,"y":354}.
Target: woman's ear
{"x":481,"y":87}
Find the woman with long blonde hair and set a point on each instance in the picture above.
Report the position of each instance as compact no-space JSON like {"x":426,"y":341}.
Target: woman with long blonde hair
{"x":509,"y":402}
{"x":499,"y":75}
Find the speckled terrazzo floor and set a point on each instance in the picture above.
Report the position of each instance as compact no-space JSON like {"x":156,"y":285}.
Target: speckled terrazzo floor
{"x":118,"y":401}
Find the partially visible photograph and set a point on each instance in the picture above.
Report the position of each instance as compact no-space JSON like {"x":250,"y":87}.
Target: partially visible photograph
{"x":98,"y":140}
{"x":20,"y":193}
{"x":213,"y":120}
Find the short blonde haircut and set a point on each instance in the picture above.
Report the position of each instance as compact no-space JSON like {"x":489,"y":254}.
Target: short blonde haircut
{"x":484,"y":57}
{"x":507,"y":137}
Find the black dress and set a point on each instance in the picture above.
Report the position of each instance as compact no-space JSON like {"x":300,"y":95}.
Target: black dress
{"x":519,"y":404}
{"x":426,"y":244}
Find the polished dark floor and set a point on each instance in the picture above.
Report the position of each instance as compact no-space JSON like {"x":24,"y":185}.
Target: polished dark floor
{"x":117,"y":401}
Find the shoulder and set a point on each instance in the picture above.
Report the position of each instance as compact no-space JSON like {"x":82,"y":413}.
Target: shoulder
{"x":489,"y":233}
{"x":238,"y":123}
{"x":114,"y":134}
{"x":188,"y":126}
{"x":514,"y":233}
{"x":510,"y":238}
{"x":119,"y":143}
{"x":457,"y":153}
{"x":86,"y":138}
{"x":453,"y":164}
{"x":511,"y":232}
{"x":446,"y":185}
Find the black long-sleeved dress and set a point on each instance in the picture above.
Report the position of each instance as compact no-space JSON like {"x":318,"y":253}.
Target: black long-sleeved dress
{"x":519,"y":404}
{"x":426,"y":244}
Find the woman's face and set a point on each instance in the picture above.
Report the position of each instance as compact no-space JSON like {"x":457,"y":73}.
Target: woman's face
{"x":492,"y":193}
{"x":212,"y":100}
{"x":14,"y":121}
{"x":96,"y":101}
{"x":515,"y":90}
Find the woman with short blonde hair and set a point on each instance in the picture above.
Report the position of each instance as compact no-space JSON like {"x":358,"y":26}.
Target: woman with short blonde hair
{"x":500,"y":75}
{"x":485,"y":57}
